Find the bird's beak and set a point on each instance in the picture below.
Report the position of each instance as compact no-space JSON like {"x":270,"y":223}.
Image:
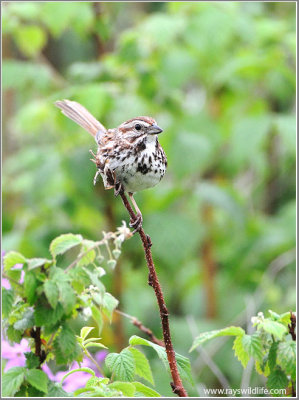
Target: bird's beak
{"x":154,"y":130}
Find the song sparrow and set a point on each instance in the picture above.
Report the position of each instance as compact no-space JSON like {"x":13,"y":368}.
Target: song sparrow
{"x":128,"y":158}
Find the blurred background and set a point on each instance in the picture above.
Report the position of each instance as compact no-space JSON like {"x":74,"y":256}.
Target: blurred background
{"x":220,"y":79}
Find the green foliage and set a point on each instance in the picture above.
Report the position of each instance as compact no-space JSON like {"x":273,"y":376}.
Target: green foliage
{"x":122,"y":365}
{"x":270,"y":346}
{"x":38,"y":379}
{"x":12,"y":381}
{"x":205,"y":72}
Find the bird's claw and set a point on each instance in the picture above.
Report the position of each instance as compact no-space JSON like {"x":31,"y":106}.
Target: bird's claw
{"x":118,"y":188}
{"x":136,"y":223}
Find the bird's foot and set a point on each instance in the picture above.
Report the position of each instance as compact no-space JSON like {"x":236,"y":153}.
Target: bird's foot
{"x":136,"y":223}
{"x":118,"y":188}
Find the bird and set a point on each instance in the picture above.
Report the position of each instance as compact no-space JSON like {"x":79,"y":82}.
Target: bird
{"x":129,"y":158}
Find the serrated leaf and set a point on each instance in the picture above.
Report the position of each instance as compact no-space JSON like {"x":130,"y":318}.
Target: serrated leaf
{"x":184,"y":368}
{"x":286,"y":356}
{"x":143,"y":390}
{"x":7,"y":301}
{"x":37,"y":379}
{"x":67,"y":340}
{"x":94,"y":279}
{"x":253,"y":346}
{"x":122,"y":365}
{"x":229,"y":331}
{"x":275,"y":328}
{"x":12,"y":381}
{"x":26,"y":321}
{"x":55,"y":390}
{"x":51,"y":292}
{"x":277,"y":379}
{"x":37,"y":262}
{"x":63,"y":243}
{"x":183,"y":363}
{"x":109,"y":305}
{"x":97,"y":316}
{"x":14,"y":335}
{"x":32,"y":361}
{"x":67,"y":296}
{"x":12,"y":258}
{"x":272,"y":355}
{"x":262,"y":369}
{"x":45,"y":315}
{"x":85,"y":331}
{"x":126,"y":388}
{"x":240,"y":352}
{"x":30,"y":285}
{"x":142,"y":366}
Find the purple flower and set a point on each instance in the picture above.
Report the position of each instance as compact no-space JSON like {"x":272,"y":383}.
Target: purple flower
{"x":77,"y":380}
{"x":14,"y":354}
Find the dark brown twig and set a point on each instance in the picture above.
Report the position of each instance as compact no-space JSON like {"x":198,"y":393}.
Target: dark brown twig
{"x":143,"y":328}
{"x":176,"y":385}
{"x":35,"y":334}
{"x":292,"y":326}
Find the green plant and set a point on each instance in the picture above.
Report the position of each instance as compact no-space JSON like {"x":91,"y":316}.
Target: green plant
{"x":272,"y":346}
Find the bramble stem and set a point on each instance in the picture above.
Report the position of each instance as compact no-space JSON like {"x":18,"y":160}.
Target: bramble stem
{"x":176,"y":385}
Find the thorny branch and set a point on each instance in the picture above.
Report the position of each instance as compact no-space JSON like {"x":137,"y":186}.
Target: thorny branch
{"x":176,"y":385}
{"x":292,"y":326}
{"x":143,"y":328}
{"x":35,"y":334}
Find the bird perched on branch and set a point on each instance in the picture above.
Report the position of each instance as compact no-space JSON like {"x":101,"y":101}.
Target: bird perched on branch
{"x":129,"y":158}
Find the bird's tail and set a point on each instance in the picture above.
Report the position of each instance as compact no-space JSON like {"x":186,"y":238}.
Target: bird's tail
{"x":81,"y":116}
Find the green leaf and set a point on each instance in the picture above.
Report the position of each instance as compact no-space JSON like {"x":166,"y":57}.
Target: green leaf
{"x":286,"y":356}
{"x":126,"y":388}
{"x":229,"y":331}
{"x":90,"y":256}
{"x":183,"y":363}
{"x":100,"y":345}
{"x":277,"y":379}
{"x":63,"y":243}
{"x":51,"y":292}
{"x":143,"y":390}
{"x":7,"y":301}
{"x":272,"y":355}
{"x":275,"y":328}
{"x":38,"y":262}
{"x":184,"y":367}
{"x":55,"y":390}
{"x":30,"y":285}
{"x":30,"y":39}
{"x":240,"y":351}
{"x":12,"y":258}
{"x":45,"y":315}
{"x":12,"y":381}
{"x":253,"y":346}
{"x":32,"y":361}
{"x":13,"y":334}
{"x":97,"y":316}
{"x":122,"y":365}
{"x":67,"y":340}
{"x":67,"y":296}
{"x":142,"y":366}
{"x":109,"y":305}
{"x":37,"y":379}
{"x":26,"y":321}
{"x":85,"y":331}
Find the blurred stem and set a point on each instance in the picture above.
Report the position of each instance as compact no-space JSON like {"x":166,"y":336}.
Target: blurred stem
{"x":88,"y":355}
{"x":176,"y":385}
{"x":272,"y":185}
{"x":143,"y":328}
{"x":208,"y":262}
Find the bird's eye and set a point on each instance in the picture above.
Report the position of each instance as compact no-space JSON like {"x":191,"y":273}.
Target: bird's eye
{"x":137,"y":127}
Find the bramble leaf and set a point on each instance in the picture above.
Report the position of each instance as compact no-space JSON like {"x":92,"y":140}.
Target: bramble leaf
{"x":30,"y":285}
{"x":127,"y":389}
{"x":277,"y":379}
{"x":286,"y":356}
{"x":63,"y":243}
{"x":12,"y":381}
{"x":142,"y":365}
{"x":253,"y":346}
{"x":37,"y":379}
{"x":51,"y":292}
{"x":109,"y":305}
{"x":7,"y":301}
{"x":143,"y":390}
{"x":37,"y":262}
{"x":240,"y":351}
{"x":229,"y":331}
{"x":275,"y":328}
{"x":122,"y":365}
{"x":12,"y":258}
